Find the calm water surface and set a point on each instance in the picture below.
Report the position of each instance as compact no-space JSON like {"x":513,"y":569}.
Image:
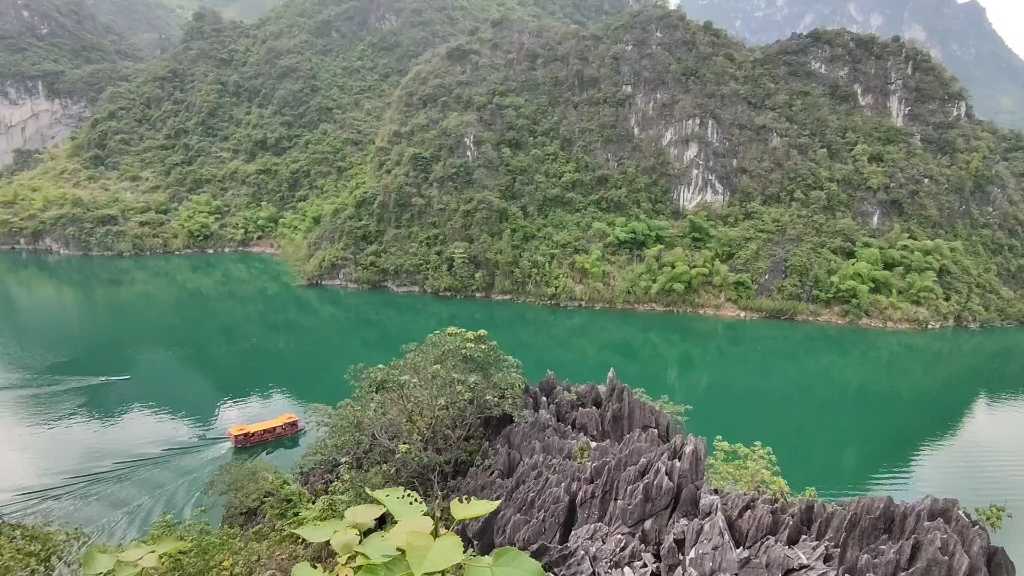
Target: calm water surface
{"x":212,"y":341}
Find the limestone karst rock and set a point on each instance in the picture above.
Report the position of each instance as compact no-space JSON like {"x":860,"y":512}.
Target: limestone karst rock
{"x":597,"y":481}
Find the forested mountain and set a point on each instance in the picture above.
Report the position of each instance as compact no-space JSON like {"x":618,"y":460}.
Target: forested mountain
{"x":959,"y":34}
{"x":58,"y":56}
{"x":611,"y":152}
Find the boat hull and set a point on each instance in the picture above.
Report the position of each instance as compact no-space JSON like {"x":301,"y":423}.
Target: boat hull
{"x":242,"y":442}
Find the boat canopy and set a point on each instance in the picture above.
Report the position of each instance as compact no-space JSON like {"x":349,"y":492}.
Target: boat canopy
{"x":261,"y":426}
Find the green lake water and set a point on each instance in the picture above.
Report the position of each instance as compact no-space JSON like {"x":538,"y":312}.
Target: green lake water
{"x":215,"y":340}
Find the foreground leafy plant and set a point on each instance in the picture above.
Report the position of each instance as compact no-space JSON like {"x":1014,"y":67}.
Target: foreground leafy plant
{"x":414,"y":545}
{"x":134,"y":559}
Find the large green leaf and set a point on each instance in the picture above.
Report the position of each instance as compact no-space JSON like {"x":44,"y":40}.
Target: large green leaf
{"x":95,"y":562}
{"x":126,"y":569}
{"x":478,"y":566}
{"x":320,"y":531}
{"x":401,"y":503}
{"x":397,"y":534}
{"x":397,"y":566}
{"x":168,"y":545}
{"x":364,"y":516}
{"x":151,"y":560}
{"x":504,"y":562}
{"x":377,"y":548}
{"x":306,"y":569}
{"x":345,"y":541}
{"x":362,"y":560}
{"x":371,"y":570}
{"x":427,"y":555}
{"x":135,"y":551}
{"x":468,"y":508}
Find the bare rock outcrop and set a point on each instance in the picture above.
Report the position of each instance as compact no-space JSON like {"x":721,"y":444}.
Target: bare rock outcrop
{"x":31,"y":119}
{"x":596,"y":481}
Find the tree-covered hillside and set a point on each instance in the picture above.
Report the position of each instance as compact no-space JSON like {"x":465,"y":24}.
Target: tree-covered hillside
{"x":569,"y":150}
{"x":77,"y":47}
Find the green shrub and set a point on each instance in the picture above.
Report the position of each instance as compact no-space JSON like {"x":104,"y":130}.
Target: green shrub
{"x":992,"y":516}
{"x":421,"y":419}
{"x":581,"y":452}
{"x":32,"y":550}
{"x":735,"y":467}
{"x":256,"y":492}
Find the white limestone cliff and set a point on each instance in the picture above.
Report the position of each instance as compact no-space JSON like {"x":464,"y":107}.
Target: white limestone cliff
{"x":33,"y":120}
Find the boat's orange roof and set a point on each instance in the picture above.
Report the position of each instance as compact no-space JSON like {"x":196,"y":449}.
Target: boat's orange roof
{"x":260,"y":426}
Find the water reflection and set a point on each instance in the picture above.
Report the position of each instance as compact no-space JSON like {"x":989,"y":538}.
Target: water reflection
{"x":982,"y":461}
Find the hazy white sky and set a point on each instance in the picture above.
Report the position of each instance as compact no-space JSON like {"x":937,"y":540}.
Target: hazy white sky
{"x":1008,"y":18}
{"x":1006,"y":15}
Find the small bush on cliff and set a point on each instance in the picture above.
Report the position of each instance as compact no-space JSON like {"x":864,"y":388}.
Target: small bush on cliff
{"x":992,"y":516}
{"x":420,"y":420}
{"x":748,"y":469}
{"x":674,"y":410}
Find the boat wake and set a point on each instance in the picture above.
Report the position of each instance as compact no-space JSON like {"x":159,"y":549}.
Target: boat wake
{"x":52,"y":384}
{"x":125,"y":497}
{"x":103,"y":460}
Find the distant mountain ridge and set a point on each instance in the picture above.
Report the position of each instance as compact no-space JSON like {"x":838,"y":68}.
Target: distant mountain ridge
{"x":57,"y":57}
{"x":959,"y":35}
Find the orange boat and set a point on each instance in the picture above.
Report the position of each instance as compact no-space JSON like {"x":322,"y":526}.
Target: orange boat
{"x":249,"y":434}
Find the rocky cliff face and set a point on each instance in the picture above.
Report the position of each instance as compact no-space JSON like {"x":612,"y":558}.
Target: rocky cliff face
{"x":960,"y":35}
{"x":597,"y":482}
{"x":31,"y":119}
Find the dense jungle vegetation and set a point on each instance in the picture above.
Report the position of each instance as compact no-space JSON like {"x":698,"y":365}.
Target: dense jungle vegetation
{"x":556,"y":151}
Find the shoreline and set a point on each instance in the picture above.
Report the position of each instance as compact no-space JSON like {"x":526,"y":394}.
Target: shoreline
{"x":726,"y":310}
{"x":55,"y":250}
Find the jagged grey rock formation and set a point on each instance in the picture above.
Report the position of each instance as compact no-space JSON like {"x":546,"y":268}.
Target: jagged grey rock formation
{"x":597,"y":482}
{"x":33,"y":120}
{"x":957,"y":33}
